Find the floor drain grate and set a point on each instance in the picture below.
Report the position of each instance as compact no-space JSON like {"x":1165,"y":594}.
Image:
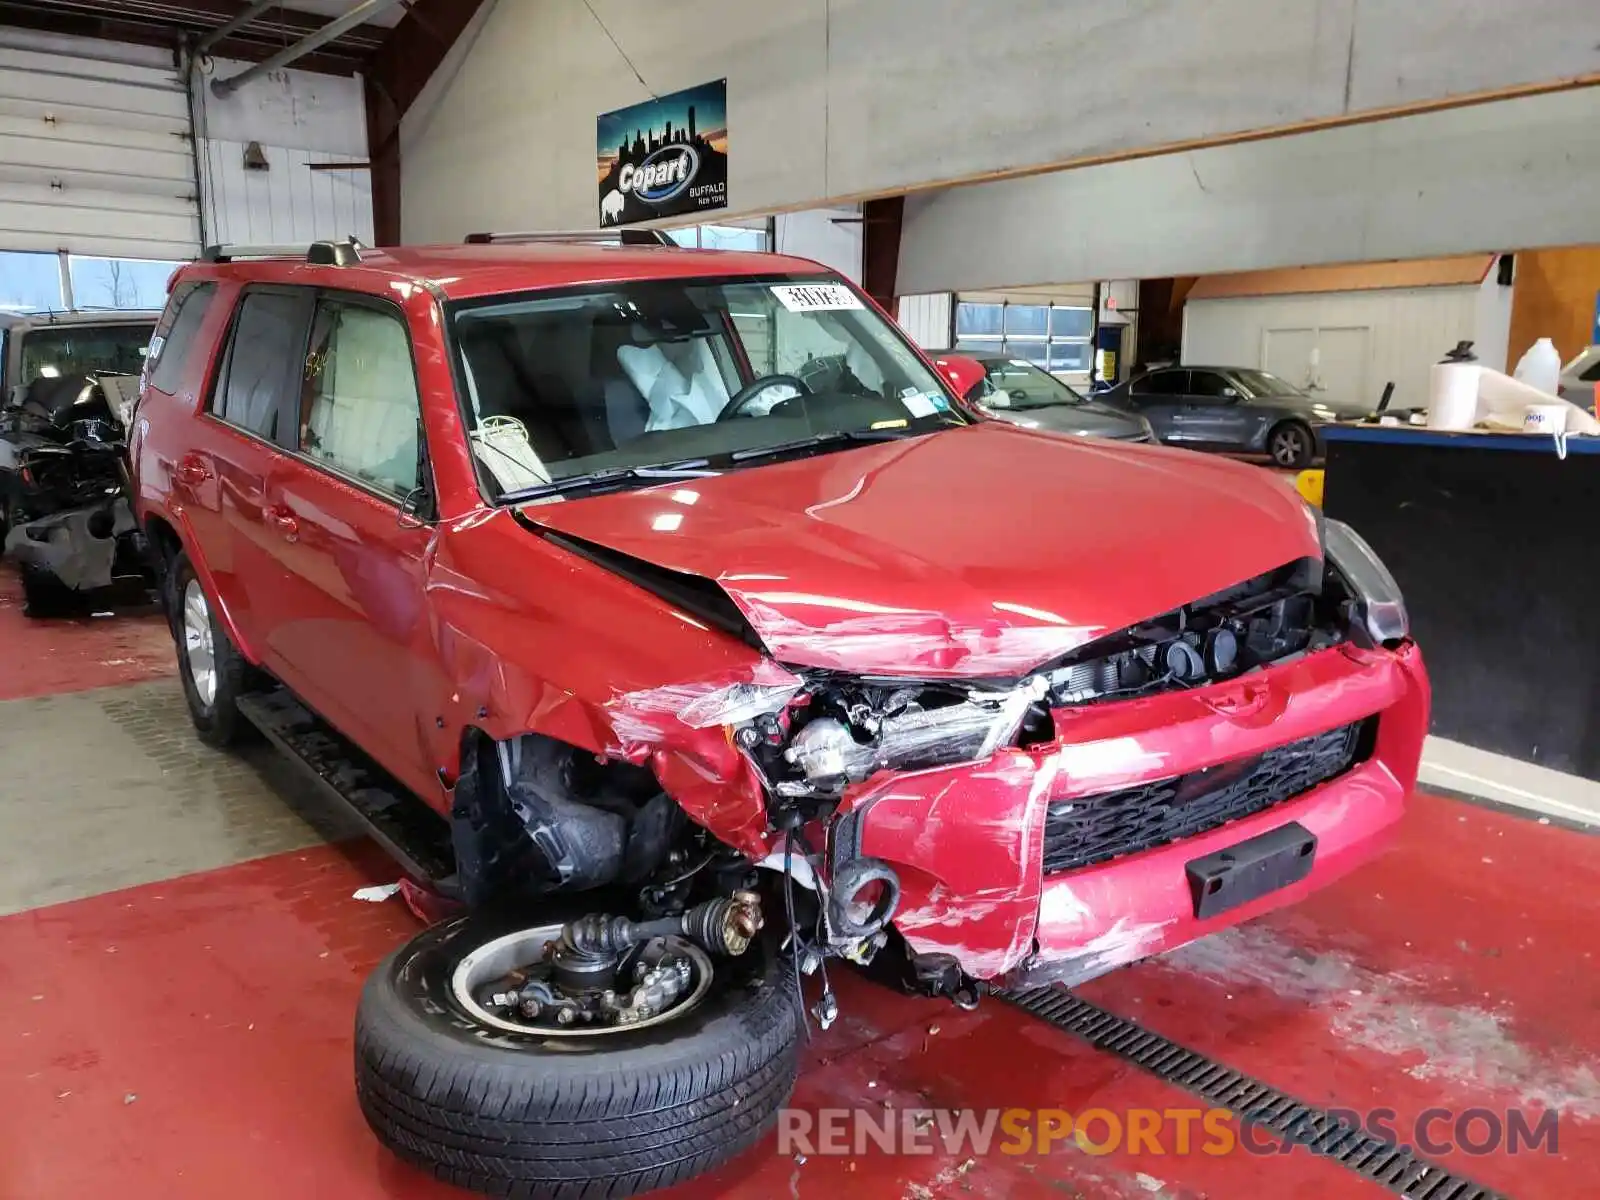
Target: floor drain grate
{"x":1393,"y":1167}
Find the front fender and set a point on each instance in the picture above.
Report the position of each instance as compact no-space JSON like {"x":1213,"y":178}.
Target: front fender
{"x":530,"y":638}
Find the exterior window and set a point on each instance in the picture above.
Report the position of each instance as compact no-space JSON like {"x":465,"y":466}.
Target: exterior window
{"x":30,"y":282}
{"x":724,"y":237}
{"x":175,"y":334}
{"x":1055,"y":338}
{"x":119,"y":283}
{"x":62,"y":282}
{"x":268,"y":338}
{"x":360,"y":410}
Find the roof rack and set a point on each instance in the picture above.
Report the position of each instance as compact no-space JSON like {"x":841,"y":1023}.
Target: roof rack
{"x":346,"y":253}
{"x":621,"y":237}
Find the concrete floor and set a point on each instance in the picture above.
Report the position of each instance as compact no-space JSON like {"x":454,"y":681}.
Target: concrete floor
{"x":182,"y":954}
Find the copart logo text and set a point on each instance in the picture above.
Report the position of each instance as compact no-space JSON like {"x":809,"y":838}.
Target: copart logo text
{"x":662,"y":175}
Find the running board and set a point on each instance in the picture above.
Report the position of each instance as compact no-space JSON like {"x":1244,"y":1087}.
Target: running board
{"x":413,"y":834}
{"x":1397,"y":1169}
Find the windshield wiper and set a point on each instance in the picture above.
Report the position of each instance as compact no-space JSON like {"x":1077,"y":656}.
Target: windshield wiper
{"x":824,"y":439}
{"x":690,"y":468}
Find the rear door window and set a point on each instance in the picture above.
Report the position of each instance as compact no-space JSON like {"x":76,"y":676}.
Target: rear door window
{"x":265,"y":357}
{"x":169,"y":348}
{"x":359,"y":406}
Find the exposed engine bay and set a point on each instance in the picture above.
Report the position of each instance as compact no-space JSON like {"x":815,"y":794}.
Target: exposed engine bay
{"x":63,"y":478}
{"x":579,"y":824}
{"x":836,"y":731}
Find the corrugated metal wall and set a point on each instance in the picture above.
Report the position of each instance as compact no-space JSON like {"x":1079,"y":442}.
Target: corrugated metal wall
{"x":95,"y":151}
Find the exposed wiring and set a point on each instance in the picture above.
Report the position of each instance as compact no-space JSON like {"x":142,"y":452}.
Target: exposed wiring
{"x":794,"y":929}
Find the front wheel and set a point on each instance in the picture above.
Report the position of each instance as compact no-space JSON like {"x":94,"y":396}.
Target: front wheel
{"x":554,"y":1109}
{"x":1291,"y":446}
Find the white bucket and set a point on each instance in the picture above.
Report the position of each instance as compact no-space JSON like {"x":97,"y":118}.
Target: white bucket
{"x":1453,"y":395}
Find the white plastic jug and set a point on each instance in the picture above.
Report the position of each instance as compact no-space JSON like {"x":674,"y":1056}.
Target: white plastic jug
{"x":1540,"y":367}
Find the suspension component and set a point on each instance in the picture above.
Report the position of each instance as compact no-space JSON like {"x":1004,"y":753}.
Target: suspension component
{"x":724,"y":925}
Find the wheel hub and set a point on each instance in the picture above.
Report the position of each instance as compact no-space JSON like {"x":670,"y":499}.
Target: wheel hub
{"x":524,"y":983}
{"x":198,"y":650}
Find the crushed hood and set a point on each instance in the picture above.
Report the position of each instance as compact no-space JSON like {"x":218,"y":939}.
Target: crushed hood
{"x":983,"y":551}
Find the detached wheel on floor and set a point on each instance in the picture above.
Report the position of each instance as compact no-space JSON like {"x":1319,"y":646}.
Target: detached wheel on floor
{"x":545,"y":1107}
{"x":1291,"y":445}
{"x":212,"y":671}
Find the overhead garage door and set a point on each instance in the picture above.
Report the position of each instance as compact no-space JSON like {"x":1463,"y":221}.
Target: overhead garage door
{"x":95,"y":155}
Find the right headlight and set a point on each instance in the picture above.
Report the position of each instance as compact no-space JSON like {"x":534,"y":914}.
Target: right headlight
{"x":1379,"y":608}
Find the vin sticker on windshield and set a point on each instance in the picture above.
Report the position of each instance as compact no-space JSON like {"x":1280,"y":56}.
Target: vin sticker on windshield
{"x":815,"y":297}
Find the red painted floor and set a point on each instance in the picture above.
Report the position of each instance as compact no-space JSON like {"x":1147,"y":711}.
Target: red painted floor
{"x":191,"y":1038}
{"x":39,"y":658}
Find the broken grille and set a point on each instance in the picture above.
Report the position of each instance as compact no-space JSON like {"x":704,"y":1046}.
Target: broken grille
{"x":1095,"y":829}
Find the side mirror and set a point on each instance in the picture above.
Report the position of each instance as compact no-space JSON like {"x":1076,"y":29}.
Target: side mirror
{"x":1229,"y":393}
{"x":963,"y":374}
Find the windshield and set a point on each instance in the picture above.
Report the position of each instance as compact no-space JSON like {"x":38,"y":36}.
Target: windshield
{"x":1263,"y":383}
{"x":680,"y":374}
{"x":1014,"y":383}
{"x":61,"y":350}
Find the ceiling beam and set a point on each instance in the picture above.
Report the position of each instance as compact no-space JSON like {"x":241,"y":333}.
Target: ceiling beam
{"x":167,"y":23}
{"x":395,"y":77}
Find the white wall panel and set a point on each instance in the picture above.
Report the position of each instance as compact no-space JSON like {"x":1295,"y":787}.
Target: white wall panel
{"x":299,"y":119}
{"x":830,"y":100}
{"x":95,"y":150}
{"x":830,"y":236}
{"x":928,"y":320}
{"x":1409,"y":330}
{"x":1515,"y":174}
{"x":288,"y":203}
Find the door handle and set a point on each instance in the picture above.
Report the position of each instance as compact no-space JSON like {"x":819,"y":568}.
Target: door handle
{"x":191,"y":471}
{"x":281,"y":519}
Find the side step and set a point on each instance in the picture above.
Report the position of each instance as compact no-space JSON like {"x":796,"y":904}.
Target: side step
{"x":1397,"y":1169}
{"x":417,"y":837}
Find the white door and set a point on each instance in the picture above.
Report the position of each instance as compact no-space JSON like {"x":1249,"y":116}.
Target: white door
{"x":1290,"y":354}
{"x":1341,"y":373}
{"x":96,"y":154}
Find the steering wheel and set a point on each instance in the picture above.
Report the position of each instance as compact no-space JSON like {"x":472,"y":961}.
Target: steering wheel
{"x":736,"y":406}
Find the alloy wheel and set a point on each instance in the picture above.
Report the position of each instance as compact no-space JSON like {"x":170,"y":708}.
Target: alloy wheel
{"x":1289,"y":447}
{"x":198,"y":649}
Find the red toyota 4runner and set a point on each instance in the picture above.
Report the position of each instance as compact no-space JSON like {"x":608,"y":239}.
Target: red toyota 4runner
{"x":666,"y":613}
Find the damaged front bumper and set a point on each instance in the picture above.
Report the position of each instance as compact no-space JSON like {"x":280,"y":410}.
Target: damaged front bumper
{"x":970,"y":843}
{"x":78,"y":547}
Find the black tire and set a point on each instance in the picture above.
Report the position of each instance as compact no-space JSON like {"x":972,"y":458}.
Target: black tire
{"x":559,"y":1119}
{"x":1291,"y":445}
{"x":45,"y":596}
{"x":219,"y":722}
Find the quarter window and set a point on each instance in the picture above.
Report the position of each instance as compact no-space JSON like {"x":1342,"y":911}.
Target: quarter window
{"x":359,"y":409}
{"x":175,"y":334}
{"x":268,"y":340}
